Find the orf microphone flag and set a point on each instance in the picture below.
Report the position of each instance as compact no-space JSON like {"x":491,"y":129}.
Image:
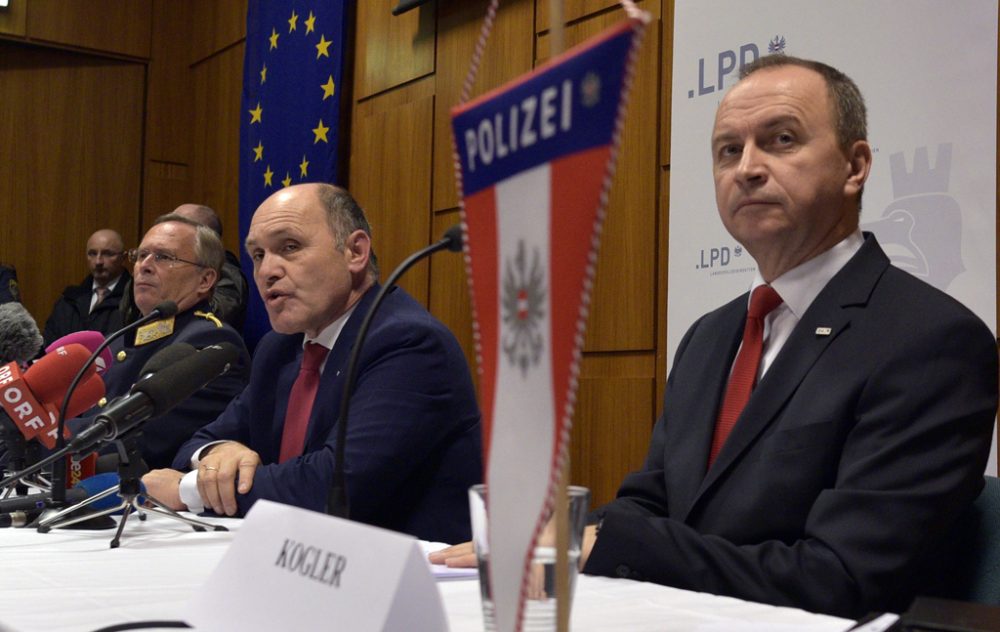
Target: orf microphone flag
{"x":535,"y":160}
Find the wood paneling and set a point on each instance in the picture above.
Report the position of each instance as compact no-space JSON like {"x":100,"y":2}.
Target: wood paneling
{"x":509,"y":53}
{"x":114,"y":26}
{"x":391,"y":179}
{"x":168,"y":99}
{"x":449,"y":292}
{"x":610,"y":434}
{"x":214,"y":26}
{"x":391,"y":50}
{"x":215,"y":169}
{"x":13,"y":18}
{"x":71,"y":153}
{"x":624,"y":295}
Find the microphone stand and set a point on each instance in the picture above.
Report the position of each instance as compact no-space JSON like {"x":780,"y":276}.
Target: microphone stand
{"x":163,"y":310}
{"x":129,"y":489}
{"x":337,"y":503}
{"x":19,"y":453}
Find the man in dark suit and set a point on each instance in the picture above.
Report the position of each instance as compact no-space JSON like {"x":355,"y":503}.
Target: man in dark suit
{"x":413,"y":441}
{"x":93,"y":304}
{"x":178,"y":260}
{"x":829,"y":485}
{"x":860,"y":444}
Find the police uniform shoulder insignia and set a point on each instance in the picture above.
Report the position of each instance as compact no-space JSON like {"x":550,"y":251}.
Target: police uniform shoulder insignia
{"x":154,"y":331}
{"x":209,"y":316}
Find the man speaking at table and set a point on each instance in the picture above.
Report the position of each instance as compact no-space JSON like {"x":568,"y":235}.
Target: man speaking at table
{"x":413,"y":441}
{"x":828,"y":484}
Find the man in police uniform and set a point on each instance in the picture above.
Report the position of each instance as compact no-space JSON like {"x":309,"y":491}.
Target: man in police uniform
{"x":178,"y":260}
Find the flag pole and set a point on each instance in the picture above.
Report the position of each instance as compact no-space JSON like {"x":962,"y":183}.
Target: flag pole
{"x":563,"y":595}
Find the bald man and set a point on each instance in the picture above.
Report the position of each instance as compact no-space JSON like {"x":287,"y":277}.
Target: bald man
{"x":93,"y":304}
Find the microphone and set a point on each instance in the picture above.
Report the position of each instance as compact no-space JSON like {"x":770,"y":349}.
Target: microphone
{"x":30,"y":398}
{"x":171,"y":354}
{"x":336,"y":501}
{"x":21,"y":511}
{"x":92,"y":340}
{"x":21,"y":339}
{"x":165,"y":309}
{"x":156,"y":394}
{"x":150,"y":397}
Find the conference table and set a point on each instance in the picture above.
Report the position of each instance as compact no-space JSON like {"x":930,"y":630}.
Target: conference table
{"x":72,"y":581}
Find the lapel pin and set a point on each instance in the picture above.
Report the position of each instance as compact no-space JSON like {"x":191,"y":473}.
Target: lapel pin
{"x":823,"y":331}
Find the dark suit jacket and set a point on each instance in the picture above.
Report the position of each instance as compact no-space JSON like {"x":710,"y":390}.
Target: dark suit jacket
{"x":71,"y":311}
{"x":855,"y":453}
{"x":164,"y":435}
{"x":414,"y":438}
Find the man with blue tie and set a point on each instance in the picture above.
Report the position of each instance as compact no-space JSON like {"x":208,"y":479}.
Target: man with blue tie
{"x":413,"y":441}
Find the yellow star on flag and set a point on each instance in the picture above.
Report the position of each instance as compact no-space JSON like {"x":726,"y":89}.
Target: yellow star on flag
{"x":310,"y":23}
{"x":328,"y":88}
{"x":293,"y":21}
{"x":320,"y":132}
{"x":321,"y":48}
{"x":258,"y":151}
{"x":288,"y":180}
{"x":304,"y":167}
{"x":268,"y":174}
{"x":263,"y":74}
{"x":255,"y":114}
{"x":274,"y":39}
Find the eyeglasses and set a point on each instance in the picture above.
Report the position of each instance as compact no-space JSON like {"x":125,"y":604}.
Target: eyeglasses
{"x":102,"y":254}
{"x":138,"y":255}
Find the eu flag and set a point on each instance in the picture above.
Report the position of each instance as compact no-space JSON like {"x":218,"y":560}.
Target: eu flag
{"x":292,"y":75}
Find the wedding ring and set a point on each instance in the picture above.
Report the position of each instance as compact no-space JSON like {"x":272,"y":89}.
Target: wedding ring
{"x":209,"y":467}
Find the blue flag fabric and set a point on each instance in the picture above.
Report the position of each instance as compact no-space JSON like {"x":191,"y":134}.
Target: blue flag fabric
{"x":292,"y":73}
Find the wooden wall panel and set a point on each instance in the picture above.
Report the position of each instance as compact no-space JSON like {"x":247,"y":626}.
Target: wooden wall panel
{"x":214,"y":26}
{"x":610,"y":434}
{"x":509,"y":53}
{"x":215,"y":169}
{"x":572,"y":10}
{"x":72,"y":132}
{"x":390,"y":178}
{"x":624,"y":295}
{"x":14,"y":17}
{"x":391,"y":51}
{"x":114,"y":26}
{"x":168,"y":99}
{"x":449,"y":291}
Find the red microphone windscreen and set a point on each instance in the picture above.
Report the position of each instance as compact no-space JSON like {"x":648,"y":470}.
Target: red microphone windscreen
{"x":88,"y":392}
{"x":50,"y":376}
{"x":89,"y":339}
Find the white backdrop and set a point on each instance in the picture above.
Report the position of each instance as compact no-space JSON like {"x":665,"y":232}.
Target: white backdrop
{"x":927,"y":69}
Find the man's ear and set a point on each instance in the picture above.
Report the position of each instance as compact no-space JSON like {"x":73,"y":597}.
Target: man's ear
{"x":208,"y":279}
{"x":859,"y":164}
{"x":357,"y":249}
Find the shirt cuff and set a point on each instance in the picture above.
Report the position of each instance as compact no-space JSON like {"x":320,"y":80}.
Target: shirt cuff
{"x":189,"y":492}
{"x":196,"y":457}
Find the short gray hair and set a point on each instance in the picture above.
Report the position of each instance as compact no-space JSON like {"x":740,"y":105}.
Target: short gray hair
{"x":208,"y":248}
{"x":344,"y":216}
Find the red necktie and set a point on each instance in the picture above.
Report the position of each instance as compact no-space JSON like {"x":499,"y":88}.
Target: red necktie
{"x":744,"y":375}
{"x":300,"y":402}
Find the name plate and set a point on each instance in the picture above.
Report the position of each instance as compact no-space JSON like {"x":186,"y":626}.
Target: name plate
{"x":294,"y":569}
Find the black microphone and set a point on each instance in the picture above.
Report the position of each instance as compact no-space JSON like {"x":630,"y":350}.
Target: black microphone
{"x":164,"y":309}
{"x":156,"y":394}
{"x":38,"y":501}
{"x":20,"y":339}
{"x":336,"y":501}
{"x":149,"y":398}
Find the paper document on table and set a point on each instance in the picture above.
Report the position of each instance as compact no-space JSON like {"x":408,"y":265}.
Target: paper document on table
{"x":442,"y":572}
